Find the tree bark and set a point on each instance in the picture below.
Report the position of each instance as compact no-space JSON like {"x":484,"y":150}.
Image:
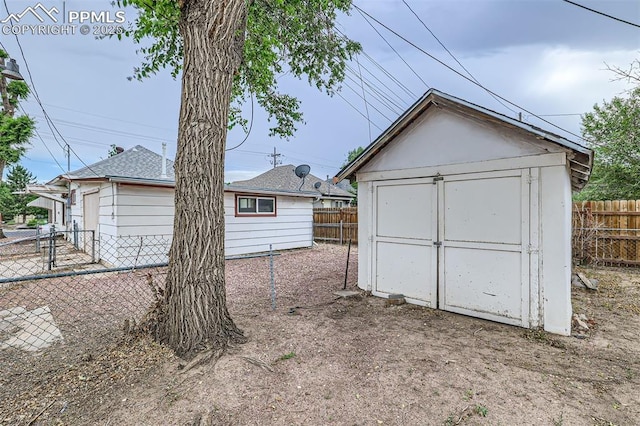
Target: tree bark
{"x":194,"y":314}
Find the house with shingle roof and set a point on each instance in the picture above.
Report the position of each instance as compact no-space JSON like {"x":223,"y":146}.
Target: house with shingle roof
{"x":123,"y":207}
{"x":283,"y":178}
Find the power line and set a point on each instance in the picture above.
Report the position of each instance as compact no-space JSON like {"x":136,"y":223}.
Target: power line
{"x":366,"y":107}
{"x":389,"y":44}
{"x":357,"y":110}
{"x":601,"y":13}
{"x":374,"y":88}
{"x":48,"y":120}
{"x":453,"y":56}
{"x":462,"y":75}
{"x":371,"y":92}
{"x":398,"y":101}
{"x":361,"y":97}
{"x":105,"y":130}
{"x":560,"y":115}
{"x":107,"y":118}
{"x":249,"y":131}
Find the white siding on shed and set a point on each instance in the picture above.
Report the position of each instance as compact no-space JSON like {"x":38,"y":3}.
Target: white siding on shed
{"x":503,"y":216}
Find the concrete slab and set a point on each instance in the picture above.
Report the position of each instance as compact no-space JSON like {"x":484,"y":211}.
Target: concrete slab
{"x":35,"y":330}
{"x":346,"y":293}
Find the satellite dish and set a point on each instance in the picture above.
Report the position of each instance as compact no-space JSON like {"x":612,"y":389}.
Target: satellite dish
{"x":317,"y":185}
{"x":302,"y":170}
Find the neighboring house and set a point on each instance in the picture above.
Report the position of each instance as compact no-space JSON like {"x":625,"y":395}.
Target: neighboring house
{"x":284,"y":179}
{"x":128,"y":201}
{"x":49,"y":198}
{"x":467,"y":210}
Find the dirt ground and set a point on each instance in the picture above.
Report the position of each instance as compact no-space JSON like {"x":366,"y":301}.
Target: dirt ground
{"x":321,"y":360}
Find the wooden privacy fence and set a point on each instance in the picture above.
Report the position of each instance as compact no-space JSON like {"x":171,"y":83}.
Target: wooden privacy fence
{"x":607,"y":232}
{"x":338,"y":225}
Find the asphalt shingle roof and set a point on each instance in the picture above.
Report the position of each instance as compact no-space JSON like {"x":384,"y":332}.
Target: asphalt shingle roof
{"x":137,"y":162}
{"x":283,"y":178}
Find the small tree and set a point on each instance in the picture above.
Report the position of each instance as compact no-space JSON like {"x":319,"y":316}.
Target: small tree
{"x":352,"y":155}
{"x":17,"y":180}
{"x":613,"y":131}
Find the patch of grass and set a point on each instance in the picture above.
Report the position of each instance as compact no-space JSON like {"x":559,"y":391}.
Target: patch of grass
{"x":541,"y":336}
{"x":468,"y":394}
{"x":450,"y":420}
{"x":629,"y":373}
{"x":287,"y":356}
{"x":481,"y":410}
{"x":558,"y":422}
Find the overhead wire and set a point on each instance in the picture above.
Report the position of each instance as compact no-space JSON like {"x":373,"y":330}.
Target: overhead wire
{"x":48,"y":120}
{"x":357,"y":110}
{"x":392,"y":77}
{"x":397,"y":99}
{"x":361,"y":97}
{"x":453,"y":56}
{"x":375,"y":88}
{"x":366,"y":106}
{"x":392,"y":48}
{"x":372,"y":92}
{"x":462,"y":75}
{"x":248,"y":132}
{"x":602,"y":13}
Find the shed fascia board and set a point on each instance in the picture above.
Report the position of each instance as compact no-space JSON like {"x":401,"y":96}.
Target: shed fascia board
{"x":432,"y":98}
{"x":542,"y":160}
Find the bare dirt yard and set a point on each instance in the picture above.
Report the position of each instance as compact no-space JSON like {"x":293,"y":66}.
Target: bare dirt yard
{"x":317,"y":359}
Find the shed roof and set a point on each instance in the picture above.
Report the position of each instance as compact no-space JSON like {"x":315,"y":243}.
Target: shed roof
{"x":580,"y":157}
{"x":283,"y":178}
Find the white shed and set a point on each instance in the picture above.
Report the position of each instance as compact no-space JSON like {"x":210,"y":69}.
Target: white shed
{"x":467,"y":210}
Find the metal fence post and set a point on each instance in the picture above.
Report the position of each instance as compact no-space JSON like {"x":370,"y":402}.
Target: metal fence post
{"x":340,"y":232}
{"x":52,"y":245}
{"x":38,"y":239}
{"x":93,"y":246}
{"x":75,"y":235}
{"x":273,"y":281}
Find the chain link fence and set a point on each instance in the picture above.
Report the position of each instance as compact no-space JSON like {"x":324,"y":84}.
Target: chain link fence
{"x":606,"y":247}
{"x":65,"y":294}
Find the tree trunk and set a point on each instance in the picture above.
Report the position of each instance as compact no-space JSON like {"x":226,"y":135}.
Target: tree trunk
{"x":194,"y":315}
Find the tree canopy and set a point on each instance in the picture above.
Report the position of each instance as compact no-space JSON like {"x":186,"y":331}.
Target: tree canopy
{"x":613,"y":131}
{"x":15,"y":132}
{"x":294,"y":37}
{"x":13,"y":200}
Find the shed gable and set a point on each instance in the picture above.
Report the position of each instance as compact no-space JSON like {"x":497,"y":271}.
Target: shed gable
{"x":443,"y":137}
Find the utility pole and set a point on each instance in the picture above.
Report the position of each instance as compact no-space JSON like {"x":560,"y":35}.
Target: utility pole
{"x":67,"y":216}
{"x":11,"y":71}
{"x":275,"y":158}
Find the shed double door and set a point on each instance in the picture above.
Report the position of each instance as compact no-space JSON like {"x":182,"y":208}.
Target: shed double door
{"x":458,"y":243}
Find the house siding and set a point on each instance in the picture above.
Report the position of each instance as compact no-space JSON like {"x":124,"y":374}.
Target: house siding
{"x":292,"y":227}
{"x":144,"y":226}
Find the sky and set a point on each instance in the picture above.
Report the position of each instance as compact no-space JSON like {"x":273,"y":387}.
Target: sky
{"x":548,"y":57}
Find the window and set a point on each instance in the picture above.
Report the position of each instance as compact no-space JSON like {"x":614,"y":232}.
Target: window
{"x":255,"y":206}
